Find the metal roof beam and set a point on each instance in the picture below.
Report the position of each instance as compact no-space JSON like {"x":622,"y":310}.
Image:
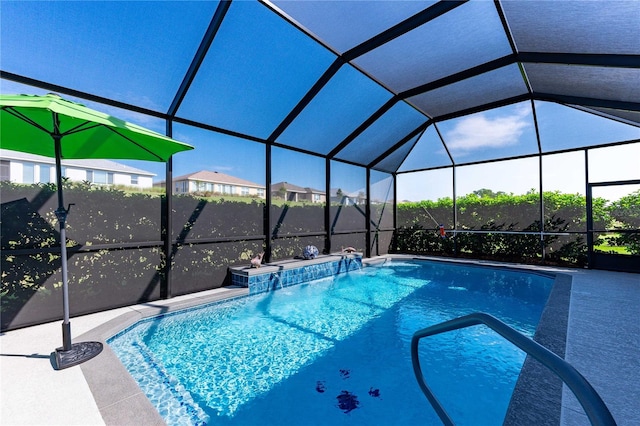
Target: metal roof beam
{"x":397,"y":30}
{"x":308,"y":97}
{"x":606,"y":60}
{"x":592,"y":102}
{"x":401,"y":28}
{"x":361,"y":128}
{"x":79,"y":94}
{"x":603,"y":60}
{"x":483,"y":107}
{"x":519,"y":157}
{"x":209,"y":35}
{"x":414,"y":133}
{"x":462,"y":75}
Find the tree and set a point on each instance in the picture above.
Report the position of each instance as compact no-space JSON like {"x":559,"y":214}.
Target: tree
{"x":487,"y":193}
{"x":282,"y":192}
{"x":626,"y":211}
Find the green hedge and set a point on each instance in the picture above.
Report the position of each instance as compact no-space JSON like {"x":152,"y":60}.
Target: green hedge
{"x":128,"y":266}
{"x":493,"y":213}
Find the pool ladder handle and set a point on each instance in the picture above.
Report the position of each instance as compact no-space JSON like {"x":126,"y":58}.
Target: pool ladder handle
{"x":594,"y":407}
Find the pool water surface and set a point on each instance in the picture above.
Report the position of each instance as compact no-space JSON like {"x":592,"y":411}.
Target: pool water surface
{"x":337,"y":350}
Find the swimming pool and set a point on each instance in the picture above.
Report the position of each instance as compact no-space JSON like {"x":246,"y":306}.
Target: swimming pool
{"x":337,"y":350}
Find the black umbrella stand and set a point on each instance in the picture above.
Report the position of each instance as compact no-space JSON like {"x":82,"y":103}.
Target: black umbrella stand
{"x":69,"y":354}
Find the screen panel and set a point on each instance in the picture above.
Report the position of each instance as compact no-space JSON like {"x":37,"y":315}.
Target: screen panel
{"x":428,"y":152}
{"x":298,"y":194}
{"x":618,"y":84}
{"x":499,"y":196}
{"x":382,"y":195}
{"x":342,"y":105}
{"x":563,"y":127}
{"x":574,"y":26}
{"x":348,"y":206}
{"x":240,"y":161}
{"x":133,"y":52}
{"x":392,"y":161}
{"x":431,"y":185}
{"x":388,"y":130}
{"x":498,"y":133}
{"x":345,"y":24}
{"x":564,"y":186}
{"x":629,"y":117}
{"x":256,"y":70}
{"x":467,"y":36}
{"x":485,"y":88}
{"x":614,"y":163}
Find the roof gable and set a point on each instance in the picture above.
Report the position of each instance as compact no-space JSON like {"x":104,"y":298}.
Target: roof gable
{"x":217,"y":177}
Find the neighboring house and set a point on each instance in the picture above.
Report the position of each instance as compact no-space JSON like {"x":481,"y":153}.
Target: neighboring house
{"x":347,"y":198}
{"x":215,"y":182}
{"x":19,"y":167}
{"x":291,"y":192}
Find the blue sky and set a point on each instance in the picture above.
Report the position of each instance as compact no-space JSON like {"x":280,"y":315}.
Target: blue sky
{"x":138,"y":53}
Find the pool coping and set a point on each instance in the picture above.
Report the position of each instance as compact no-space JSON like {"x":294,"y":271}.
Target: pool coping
{"x":117,"y":395}
{"x":537,"y":397}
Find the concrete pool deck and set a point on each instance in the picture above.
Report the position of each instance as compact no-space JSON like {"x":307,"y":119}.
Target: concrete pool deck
{"x":603,"y":343}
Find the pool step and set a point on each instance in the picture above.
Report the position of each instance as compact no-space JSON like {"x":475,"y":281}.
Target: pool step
{"x":179,"y":401}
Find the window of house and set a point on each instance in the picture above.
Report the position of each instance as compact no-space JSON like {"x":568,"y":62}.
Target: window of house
{"x":244,"y":190}
{"x":134,"y":179}
{"x":5,"y":170}
{"x":45,"y":173}
{"x":99,"y":177}
{"x":261,"y":192}
{"x":203,"y":186}
{"x":28,"y":173}
{"x":182,"y":187}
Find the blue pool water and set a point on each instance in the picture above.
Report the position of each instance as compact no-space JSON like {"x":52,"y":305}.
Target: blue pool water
{"x":337,"y":351}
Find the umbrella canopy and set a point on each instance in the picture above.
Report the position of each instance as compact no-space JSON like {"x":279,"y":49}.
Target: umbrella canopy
{"x":54,"y":127}
{"x":28,"y":125}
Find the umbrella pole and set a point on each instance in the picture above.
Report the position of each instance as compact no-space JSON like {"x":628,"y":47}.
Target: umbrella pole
{"x":66,"y":325}
{"x":61,"y":214}
{"x":69,"y":354}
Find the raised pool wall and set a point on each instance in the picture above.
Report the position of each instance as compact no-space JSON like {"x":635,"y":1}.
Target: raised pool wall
{"x":271,"y":277}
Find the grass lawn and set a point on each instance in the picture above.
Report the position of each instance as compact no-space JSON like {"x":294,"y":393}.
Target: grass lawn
{"x":608,"y":249}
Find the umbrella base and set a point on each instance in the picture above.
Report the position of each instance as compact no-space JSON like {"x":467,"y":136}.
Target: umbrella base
{"x":79,"y":353}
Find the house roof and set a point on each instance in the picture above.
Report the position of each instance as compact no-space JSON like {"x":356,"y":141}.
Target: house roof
{"x":98,"y":164}
{"x":294,"y":188}
{"x":216,"y":177}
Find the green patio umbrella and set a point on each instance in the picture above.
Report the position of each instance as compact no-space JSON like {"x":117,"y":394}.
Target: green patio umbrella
{"x":54,"y":127}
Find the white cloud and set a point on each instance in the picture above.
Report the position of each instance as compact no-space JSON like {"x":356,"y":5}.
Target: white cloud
{"x":479,"y":131}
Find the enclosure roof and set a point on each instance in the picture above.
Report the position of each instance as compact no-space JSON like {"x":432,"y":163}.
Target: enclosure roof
{"x":393,"y":85}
